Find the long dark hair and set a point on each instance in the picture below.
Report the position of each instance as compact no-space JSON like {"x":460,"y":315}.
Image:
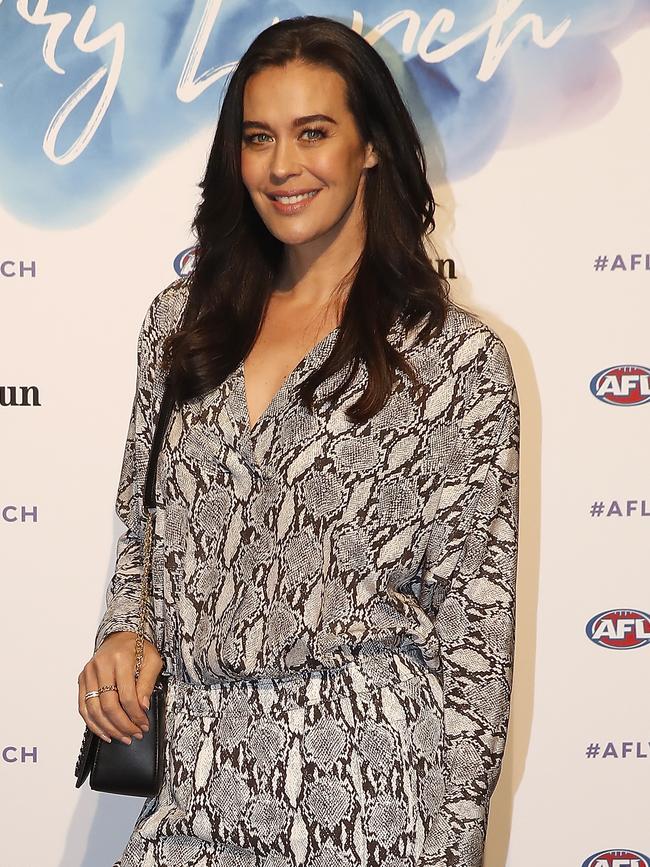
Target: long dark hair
{"x":237,"y":259}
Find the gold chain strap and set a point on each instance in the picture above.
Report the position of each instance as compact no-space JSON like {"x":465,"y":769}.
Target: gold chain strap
{"x":146,"y":571}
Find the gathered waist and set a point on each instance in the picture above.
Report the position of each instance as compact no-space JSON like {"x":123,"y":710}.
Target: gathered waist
{"x":372,"y":666}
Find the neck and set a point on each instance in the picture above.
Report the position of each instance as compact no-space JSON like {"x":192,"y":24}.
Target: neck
{"x":312,"y":272}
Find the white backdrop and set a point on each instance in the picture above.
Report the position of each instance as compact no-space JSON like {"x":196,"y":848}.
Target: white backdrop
{"x":88,"y":240}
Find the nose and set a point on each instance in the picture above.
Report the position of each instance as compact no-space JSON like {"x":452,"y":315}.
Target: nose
{"x":284,"y":159}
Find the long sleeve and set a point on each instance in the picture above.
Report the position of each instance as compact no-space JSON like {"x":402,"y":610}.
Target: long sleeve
{"x":123,"y":593}
{"x":469,"y":579}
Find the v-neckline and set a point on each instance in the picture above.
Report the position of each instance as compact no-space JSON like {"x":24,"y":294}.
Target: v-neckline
{"x":236,"y":403}
{"x":251,"y":430}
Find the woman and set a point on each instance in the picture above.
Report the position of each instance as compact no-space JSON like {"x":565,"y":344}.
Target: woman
{"x":336,"y":528}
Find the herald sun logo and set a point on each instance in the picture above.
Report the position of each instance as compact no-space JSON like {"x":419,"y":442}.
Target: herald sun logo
{"x":622,"y":385}
{"x":617,"y":858}
{"x":620,"y":629}
{"x":184,"y":261}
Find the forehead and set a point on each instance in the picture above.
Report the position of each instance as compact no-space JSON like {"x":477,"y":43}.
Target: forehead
{"x":281,"y":93}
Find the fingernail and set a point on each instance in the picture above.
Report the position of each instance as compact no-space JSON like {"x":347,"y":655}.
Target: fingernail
{"x":145,"y":727}
{"x":145,"y":702}
{"x":138,"y":735}
{"x":106,"y":738}
{"x":126,"y":740}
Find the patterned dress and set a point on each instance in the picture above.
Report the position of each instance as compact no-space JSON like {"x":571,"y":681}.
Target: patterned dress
{"x":335,"y":603}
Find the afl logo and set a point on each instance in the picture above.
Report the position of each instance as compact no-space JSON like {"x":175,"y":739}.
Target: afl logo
{"x":623,"y":385}
{"x":184,"y":261}
{"x":617,"y":858}
{"x":620,"y":629}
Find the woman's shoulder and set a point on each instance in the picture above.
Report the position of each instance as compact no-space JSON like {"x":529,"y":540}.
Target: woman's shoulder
{"x":164,"y":312}
{"x":168,"y":304}
{"x":464,"y":345}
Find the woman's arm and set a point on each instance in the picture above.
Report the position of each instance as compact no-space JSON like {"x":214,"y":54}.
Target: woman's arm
{"x":123,"y":593}
{"x":469,"y":579}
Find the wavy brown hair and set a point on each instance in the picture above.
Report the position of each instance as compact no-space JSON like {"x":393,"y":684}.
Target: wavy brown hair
{"x":237,"y":259}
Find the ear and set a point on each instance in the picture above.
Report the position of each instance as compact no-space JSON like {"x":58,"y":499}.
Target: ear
{"x":372,"y":157}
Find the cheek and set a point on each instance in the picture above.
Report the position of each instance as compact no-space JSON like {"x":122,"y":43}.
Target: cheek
{"x":250,"y":169}
{"x":337,"y":168}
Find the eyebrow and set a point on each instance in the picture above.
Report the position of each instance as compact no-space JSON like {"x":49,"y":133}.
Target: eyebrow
{"x":299,"y":121}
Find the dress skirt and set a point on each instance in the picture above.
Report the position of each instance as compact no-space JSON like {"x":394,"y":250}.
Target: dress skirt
{"x":322,"y":768}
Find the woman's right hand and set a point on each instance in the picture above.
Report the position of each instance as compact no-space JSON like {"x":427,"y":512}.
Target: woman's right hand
{"x":118,"y":713}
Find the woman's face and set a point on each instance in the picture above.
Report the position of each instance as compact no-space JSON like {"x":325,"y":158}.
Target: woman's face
{"x":284,"y":153}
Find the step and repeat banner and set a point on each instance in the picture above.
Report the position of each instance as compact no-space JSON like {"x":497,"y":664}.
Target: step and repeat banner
{"x":534,"y":115}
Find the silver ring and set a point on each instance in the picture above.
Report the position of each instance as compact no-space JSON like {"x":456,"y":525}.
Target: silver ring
{"x":101,"y":689}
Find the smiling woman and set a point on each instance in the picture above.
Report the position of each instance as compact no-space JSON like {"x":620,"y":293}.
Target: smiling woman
{"x":319,"y":227}
{"x":307,"y":184}
{"x":333,"y":158}
{"x":334,"y":568}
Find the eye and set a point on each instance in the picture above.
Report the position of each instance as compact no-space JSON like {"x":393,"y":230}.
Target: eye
{"x":318,"y":129}
{"x":249,"y":138}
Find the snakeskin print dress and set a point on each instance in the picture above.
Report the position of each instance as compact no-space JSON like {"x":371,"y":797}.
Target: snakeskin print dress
{"x":335,"y":604}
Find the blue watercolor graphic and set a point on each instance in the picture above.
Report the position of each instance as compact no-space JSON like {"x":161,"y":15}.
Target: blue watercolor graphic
{"x":65,"y":154}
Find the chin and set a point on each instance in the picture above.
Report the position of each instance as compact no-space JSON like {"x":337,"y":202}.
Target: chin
{"x":297,"y":237}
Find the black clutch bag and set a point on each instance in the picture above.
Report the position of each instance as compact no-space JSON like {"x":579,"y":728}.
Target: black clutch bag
{"x":135,"y":768}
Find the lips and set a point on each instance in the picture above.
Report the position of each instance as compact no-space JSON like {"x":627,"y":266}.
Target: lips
{"x":290,"y":193}
{"x":289,"y":208}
